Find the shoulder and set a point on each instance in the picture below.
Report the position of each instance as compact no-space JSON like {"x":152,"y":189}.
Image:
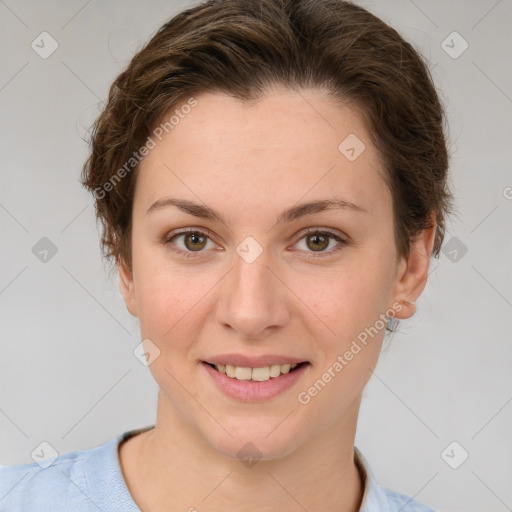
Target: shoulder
{"x":23,"y":487}
{"x":75,"y":481}
{"x":397,"y":501}
{"x":380,"y":499}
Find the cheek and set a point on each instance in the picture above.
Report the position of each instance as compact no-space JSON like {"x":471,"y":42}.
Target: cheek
{"x":160,"y":294}
{"x":349,"y":341}
{"x":171,"y":300}
{"x":344,"y":301}
{"x":163,"y":300}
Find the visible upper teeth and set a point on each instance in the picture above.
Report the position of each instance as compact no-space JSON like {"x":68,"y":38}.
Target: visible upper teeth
{"x":258,"y":374}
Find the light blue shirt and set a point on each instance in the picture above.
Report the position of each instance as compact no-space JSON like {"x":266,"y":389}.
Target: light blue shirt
{"x":92,"y":481}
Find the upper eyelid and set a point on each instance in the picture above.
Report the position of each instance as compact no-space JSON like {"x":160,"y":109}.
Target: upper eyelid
{"x":184,"y":231}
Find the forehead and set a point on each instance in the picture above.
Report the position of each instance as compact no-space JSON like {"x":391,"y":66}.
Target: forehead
{"x":284,"y":147}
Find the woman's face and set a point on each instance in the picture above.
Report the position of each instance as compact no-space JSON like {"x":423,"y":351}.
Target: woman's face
{"x":253,"y":285}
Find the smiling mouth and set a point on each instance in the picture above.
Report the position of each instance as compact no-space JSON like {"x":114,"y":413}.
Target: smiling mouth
{"x":260,"y":374}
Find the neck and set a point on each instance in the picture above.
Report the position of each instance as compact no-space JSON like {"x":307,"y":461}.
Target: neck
{"x":171,"y":467}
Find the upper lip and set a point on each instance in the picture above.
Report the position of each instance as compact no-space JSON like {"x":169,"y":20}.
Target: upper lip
{"x":254,"y":361}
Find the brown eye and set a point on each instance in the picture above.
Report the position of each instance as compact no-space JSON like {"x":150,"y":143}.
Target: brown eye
{"x":194,"y":241}
{"x":317,"y":242}
{"x":188,"y":242}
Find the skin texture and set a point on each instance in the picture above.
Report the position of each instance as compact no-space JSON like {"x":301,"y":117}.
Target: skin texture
{"x":250,"y":163}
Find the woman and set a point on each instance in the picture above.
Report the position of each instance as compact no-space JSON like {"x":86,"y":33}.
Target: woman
{"x":271,"y":179}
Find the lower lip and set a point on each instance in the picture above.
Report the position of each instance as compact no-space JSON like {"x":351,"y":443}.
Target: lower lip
{"x":252,"y":391}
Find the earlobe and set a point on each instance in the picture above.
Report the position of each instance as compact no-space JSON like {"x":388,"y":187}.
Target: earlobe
{"x":126,"y":286}
{"x":413,"y":272}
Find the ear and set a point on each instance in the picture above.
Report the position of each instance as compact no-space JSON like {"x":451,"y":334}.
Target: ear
{"x":126,"y":286}
{"x":412,"y":272}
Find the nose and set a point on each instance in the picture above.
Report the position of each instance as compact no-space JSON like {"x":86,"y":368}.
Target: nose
{"x":253,"y":300}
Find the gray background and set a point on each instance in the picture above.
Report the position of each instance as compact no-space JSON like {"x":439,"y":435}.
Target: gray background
{"x":68,"y":375}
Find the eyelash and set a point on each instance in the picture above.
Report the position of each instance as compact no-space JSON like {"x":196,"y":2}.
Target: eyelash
{"x":190,"y":254}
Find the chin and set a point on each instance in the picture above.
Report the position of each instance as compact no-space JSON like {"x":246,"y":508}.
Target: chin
{"x":255,"y":440}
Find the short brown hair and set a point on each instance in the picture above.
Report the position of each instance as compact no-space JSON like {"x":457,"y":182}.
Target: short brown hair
{"x":246,"y":47}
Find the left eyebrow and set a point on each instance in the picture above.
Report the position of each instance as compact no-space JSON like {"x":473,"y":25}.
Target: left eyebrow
{"x":294,"y":213}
